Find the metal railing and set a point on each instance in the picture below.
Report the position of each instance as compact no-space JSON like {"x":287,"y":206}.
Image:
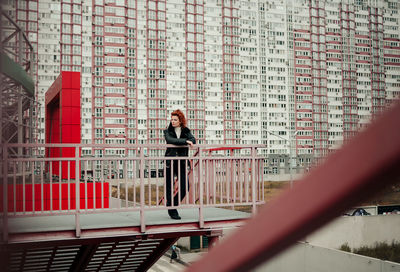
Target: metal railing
{"x":136,"y":181}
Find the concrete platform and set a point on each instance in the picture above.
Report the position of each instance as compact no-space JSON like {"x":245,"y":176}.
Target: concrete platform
{"x":118,"y":219}
{"x":109,"y":223}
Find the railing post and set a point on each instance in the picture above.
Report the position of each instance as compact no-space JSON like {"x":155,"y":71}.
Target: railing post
{"x":253,"y":179}
{"x":142,"y":223}
{"x":20,"y":130}
{"x":5,"y":195}
{"x":201,"y":189}
{"x":77,"y":194}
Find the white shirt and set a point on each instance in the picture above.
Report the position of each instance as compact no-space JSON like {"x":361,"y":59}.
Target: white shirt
{"x":178,"y":131}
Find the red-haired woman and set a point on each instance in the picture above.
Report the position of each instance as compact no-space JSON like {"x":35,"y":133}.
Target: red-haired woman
{"x":177,"y":133}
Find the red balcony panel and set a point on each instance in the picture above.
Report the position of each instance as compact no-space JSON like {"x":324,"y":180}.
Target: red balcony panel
{"x":54,"y":197}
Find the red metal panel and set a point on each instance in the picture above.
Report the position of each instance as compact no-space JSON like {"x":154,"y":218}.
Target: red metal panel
{"x":66,"y":80}
{"x":66,"y":100}
{"x":75,"y":119}
{"x":75,"y":82}
{"x":75,"y":97}
{"x":63,"y":119}
{"x":357,"y":171}
{"x":66,"y":117}
{"x":54,"y":90}
{"x":66,"y":196}
{"x":75,"y":134}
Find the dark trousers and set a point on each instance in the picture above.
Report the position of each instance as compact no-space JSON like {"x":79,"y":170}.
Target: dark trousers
{"x":179,"y":170}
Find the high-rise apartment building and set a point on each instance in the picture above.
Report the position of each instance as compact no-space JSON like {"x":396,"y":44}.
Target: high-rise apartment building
{"x":300,"y":76}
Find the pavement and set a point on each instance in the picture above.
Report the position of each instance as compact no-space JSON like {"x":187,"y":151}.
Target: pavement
{"x":178,"y":265}
{"x":186,"y":257}
{"x":164,"y":265}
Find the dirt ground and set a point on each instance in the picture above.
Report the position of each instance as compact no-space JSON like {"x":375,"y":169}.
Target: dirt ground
{"x":389,"y":196}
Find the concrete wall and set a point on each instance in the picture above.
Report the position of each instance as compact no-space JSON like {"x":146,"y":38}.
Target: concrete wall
{"x":357,"y":231}
{"x":282,"y":177}
{"x":304,"y":257}
{"x":320,"y":253}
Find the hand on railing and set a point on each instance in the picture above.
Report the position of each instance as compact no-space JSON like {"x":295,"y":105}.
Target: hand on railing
{"x":190,"y":143}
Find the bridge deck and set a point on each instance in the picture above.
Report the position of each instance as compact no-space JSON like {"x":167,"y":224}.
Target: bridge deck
{"x":118,"y":233}
{"x":123,"y":223}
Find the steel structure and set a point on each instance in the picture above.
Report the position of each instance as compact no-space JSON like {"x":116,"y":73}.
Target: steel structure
{"x":26,"y":17}
{"x":19,"y":108}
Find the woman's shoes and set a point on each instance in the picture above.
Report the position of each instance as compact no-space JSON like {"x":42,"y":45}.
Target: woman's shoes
{"x":174,"y":214}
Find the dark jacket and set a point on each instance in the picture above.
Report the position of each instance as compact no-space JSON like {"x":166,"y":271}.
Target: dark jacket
{"x":171,"y":138}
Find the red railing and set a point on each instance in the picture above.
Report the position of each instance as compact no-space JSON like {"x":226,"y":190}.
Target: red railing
{"x":134,"y":182}
{"x":364,"y":166}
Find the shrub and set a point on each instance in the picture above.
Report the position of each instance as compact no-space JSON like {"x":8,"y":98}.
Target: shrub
{"x":345,"y":247}
{"x":382,"y":251}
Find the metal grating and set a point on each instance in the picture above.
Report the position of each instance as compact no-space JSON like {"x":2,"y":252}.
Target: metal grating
{"x":44,"y":259}
{"x":106,"y":256}
{"x":121,"y":256}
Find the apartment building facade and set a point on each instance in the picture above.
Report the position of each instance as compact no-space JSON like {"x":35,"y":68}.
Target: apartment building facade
{"x":301,"y":77}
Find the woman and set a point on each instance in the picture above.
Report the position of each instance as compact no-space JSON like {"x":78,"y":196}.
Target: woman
{"x":177,"y":133}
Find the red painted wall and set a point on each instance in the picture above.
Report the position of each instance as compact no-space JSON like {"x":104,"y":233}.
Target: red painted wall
{"x":63,"y":121}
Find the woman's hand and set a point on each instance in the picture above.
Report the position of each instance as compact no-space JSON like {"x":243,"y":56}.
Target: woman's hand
{"x":190,"y":143}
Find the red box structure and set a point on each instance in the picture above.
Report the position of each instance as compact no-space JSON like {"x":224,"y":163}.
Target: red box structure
{"x":63,"y":121}
{"x":38,"y":195}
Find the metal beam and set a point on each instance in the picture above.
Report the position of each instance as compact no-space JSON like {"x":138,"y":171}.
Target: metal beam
{"x":101,"y":236}
{"x":157,"y":253}
{"x":363,"y":167}
{"x":83,"y":257}
{"x":4,"y":258}
{"x":17,"y":73}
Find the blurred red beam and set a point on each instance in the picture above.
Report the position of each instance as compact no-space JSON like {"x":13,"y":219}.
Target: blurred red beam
{"x":364,"y":166}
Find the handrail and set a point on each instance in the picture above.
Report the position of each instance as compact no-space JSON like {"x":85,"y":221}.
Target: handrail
{"x":130,"y":146}
{"x":74,"y":184}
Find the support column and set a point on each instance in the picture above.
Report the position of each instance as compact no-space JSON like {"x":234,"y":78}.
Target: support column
{"x":212,"y":240}
{"x":83,"y":257}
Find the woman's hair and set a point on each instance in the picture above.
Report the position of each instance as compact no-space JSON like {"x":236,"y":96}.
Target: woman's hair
{"x":181,"y":117}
